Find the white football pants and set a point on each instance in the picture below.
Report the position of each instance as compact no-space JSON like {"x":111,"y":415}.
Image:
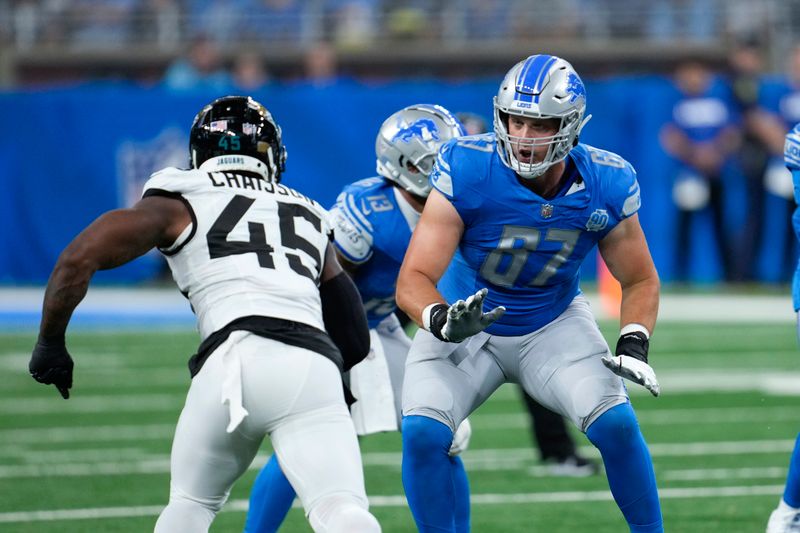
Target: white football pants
{"x":269,"y":388}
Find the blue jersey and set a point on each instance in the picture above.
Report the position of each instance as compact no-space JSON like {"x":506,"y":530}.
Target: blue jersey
{"x":371,"y":230}
{"x":791,"y":156}
{"x":527,"y":250}
{"x":781,"y":98}
{"x":703,"y":117}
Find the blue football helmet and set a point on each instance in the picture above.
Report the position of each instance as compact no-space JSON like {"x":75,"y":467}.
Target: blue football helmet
{"x":408,"y":142}
{"x":546,"y":87}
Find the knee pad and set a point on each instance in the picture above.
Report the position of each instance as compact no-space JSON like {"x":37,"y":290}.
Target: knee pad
{"x":209,"y":504}
{"x":342,"y":514}
{"x":424,"y":435}
{"x":615,"y":426}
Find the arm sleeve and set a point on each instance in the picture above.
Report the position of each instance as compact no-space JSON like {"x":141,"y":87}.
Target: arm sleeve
{"x":459,"y":160}
{"x":345,"y":318}
{"x":352,"y":231}
{"x":170,"y":183}
{"x":625,"y":198}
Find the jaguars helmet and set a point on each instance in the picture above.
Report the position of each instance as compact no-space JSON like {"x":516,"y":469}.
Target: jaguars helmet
{"x":238,"y":125}
{"x":408,"y":142}
{"x":541,"y":86}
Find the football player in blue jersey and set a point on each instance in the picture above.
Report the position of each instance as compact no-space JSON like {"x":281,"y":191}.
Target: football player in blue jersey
{"x":516,"y":212}
{"x":373,"y":220}
{"x":786,"y":517}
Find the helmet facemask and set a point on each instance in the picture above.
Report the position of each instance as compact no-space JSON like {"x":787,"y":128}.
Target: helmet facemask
{"x":541,"y":87}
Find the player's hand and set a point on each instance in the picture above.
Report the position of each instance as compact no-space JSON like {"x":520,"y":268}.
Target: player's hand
{"x":630,"y":361}
{"x":461,"y":438}
{"x":463,"y":319}
{"x":51,"y":364}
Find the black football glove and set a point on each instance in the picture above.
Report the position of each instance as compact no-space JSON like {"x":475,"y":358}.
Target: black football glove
{"x":51,"y":364}
{"x":630,"y":361}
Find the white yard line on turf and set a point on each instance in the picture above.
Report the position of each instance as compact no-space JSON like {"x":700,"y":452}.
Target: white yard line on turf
{"x":400,"y":501}
{"x":477,"y":459}
{"x":772,"y":382}
{"x":724,"y":474}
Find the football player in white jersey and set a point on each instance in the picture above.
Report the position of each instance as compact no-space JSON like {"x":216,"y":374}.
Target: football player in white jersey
{"x":373,"y":219}
{"x":254,"y":259}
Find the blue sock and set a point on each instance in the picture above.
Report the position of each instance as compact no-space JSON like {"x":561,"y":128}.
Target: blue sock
{"x":791,"y":494}
{"x":427,"y":474}
{"x":270,"y":499}
{"x":461,"y":494}
{"x":629,"y":468}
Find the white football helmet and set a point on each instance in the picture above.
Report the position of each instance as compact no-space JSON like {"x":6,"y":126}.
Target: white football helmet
{"x":412,"y":136}
{"x":540,"y":86}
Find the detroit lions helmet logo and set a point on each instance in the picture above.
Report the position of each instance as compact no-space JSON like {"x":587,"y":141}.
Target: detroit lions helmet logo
{"x":424,"y":129}
{"x":575,"y":87}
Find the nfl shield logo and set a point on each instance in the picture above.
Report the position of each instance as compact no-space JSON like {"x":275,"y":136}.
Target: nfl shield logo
{"x":547,"y":210}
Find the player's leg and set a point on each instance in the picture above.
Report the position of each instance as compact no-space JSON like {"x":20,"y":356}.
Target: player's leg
{"x":628,"y":466}
{"x":318,"y":452}
{"x":562,"y":369}
{"x":270,"y":499}
{"x":205,"y":459}
{"x":272,"y":495}
{"x":442,"y":385}
{"x":396,"y":345}
{"x":786,"y":517}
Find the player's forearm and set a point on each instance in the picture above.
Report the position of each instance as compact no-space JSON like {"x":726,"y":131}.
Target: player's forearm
{"x":640,"y":303}
{"x":66,"y":288}
{"x":415,"y":291}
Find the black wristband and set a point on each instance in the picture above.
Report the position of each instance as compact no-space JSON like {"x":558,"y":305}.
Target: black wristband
{"x":438,"y":319}
{"x":634,"y":344}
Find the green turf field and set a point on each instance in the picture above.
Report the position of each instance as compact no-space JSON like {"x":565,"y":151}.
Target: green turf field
{"x":720,"y":435}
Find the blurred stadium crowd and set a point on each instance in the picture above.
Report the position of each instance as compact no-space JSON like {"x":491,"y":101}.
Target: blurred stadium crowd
{"x":47,"y":39}
{"x":360,"y":22}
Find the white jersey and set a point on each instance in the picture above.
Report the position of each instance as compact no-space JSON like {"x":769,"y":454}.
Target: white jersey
{"x":254,"y":248}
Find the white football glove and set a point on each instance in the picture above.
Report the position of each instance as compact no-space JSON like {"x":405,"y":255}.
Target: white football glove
{"x":461,"y":320}
{"x":631,"y":360}
{"x":637,"y":371}
{"x":461,"y":438}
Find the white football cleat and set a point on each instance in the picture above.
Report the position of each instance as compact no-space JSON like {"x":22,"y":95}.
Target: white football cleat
{"x":784,"y":519}
{"x":572,"y":466}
